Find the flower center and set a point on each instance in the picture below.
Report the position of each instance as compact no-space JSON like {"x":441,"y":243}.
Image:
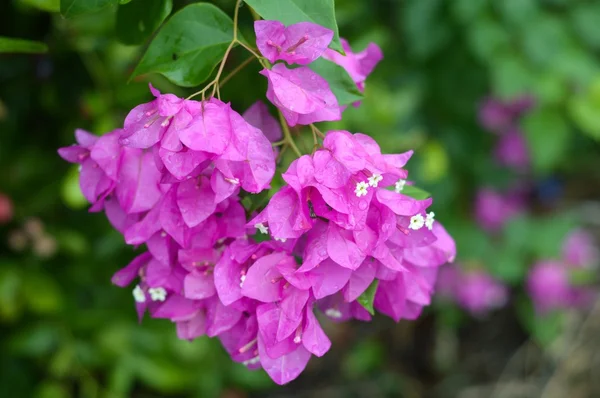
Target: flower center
{"x":416,"y":222}
{"x":157,"y":293}
{"x":374,"y":180}
{"x":399,"y":186}
{"x":361,"y":189}
{"x":138,"y":294}
{"x":262,"y":228}
{"x":429,"y":220}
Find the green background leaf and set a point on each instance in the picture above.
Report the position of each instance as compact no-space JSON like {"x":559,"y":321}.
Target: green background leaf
{"x":339,"y":81}
{"x":548,"y":137}
{"x":138,"y":19}
{"x":321,"y":12}
{"x":10,"y":45}
{"x":72,"y":8}
{"x":189,"y":45}
{"x":44,"y":5}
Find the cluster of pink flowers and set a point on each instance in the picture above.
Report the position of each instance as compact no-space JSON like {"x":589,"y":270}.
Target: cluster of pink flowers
{"x":550,"y":282}
{"x":172,"y":179}
{"x":502,"y":118}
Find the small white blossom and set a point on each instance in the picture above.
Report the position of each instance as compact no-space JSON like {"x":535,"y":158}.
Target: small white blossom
{"x":252,"y":361}
{"x":262,"y":228}
{"x":138,"y":294}
{"x":374,"y":180}
{"x":282,"y":240}
{"x":399,"y":186}
{"x":416,"y":222}
{"x":333,"y":313}
{"x":157,"y":293}
{"x":429,"y":220}
{"x":361,"y":189}
{"x":242,"y":279}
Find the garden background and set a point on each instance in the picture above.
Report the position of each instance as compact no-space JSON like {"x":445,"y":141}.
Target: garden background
{"x":66,"y":331}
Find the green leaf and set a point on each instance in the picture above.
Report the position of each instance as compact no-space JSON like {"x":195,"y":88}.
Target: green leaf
{"x":585,"y":110}
{"x":10,"y":45}
{"x":585,"y":20}
{"x":511,"y":76}
{"x":367,"y":298}
{"x":415,"y":193}
{"x":508,"y":265}
{"x":339,"y":81}
{"x":189,"y":45}
{"x":548,"y":136}
{"x":137,"y":20}
{"x":289,"y":12}
{"x":548,"y":234}
{"x":544,"y":329}
{"x":44,"y":5}
{"x":72,"y":8}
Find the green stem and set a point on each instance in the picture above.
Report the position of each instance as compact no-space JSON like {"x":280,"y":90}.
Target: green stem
{"x":287,"y":136}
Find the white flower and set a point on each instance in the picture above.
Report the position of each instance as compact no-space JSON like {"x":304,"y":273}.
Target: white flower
{"x":333,"y":313}
{"x":416,"y":222}
{"x":282,"y":240}
{"x":252,"y":361}
{"x":429,"y":220}
{"x":374,"y":180}
{"x":399,"y":185}
{"x":262,"y":228}
{"x":242,"y":279}
{"x":138,"y":294}
{"x":361,"y":189}
{"x":157,"y":293}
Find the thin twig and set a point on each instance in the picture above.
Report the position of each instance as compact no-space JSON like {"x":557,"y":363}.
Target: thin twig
{"x":286,"y":134}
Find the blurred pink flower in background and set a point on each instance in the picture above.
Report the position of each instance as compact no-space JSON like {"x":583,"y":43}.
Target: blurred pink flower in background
{"x":6,"y":209}
{"x":549,"y":286}
{"x":512,"y":151}
{"x":475,"y":291}
{"x":579,"y":250}
{"x":493,"y":209}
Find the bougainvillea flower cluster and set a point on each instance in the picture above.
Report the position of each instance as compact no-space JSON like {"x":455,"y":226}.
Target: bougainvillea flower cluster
{"x":339,"y":240}
{"x":551,"y":283}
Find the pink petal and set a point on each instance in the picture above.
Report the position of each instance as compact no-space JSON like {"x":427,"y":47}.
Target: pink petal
{"x":314,"y":338}
{"x":196,"y":200}
{"x":124,"y":276}
{"x":292,"y":311}
{"x":360,"y":280}
{"x":258,"y":115}
{"x":138,"y":187}
{"x":328,"y":278}
{"x":285,"y":368}
{"x":211,"y":131}
{"x":342,"y":250}
{"x":263,"y":281}
{"x":198,"y":285}
{"x":269,"y":31}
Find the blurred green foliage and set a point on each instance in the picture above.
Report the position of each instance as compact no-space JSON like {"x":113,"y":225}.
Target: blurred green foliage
{"x":65,"y":331}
